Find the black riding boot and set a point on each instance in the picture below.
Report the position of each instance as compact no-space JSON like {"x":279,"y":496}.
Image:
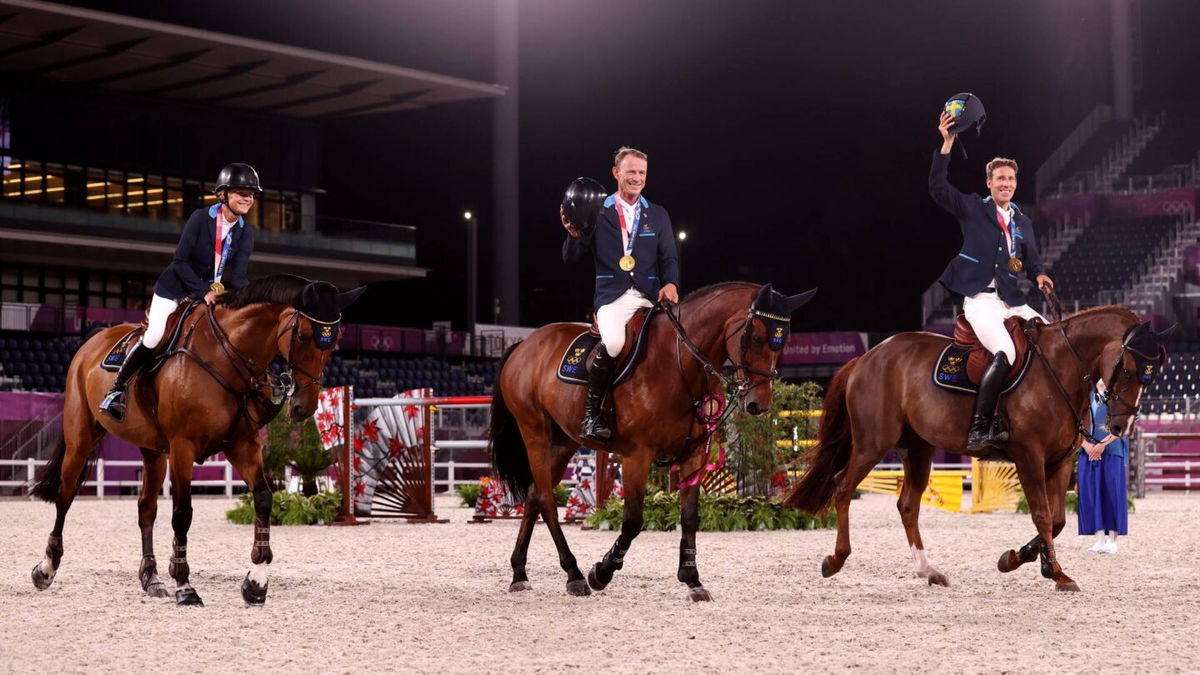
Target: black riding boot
{"x":114,"y":402}
{"x":980,"y":437}
{"x":595,"y":427}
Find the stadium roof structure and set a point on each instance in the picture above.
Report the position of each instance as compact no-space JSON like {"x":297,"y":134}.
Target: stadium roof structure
{"x":113,"y":52}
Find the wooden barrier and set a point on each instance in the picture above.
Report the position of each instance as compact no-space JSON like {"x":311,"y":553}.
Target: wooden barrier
{"x":944,"y":491}
{"x":994,"y":486}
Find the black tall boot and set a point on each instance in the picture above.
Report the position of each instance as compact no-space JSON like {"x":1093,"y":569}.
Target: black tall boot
{"x":980,"y":437}
{"x":595,"y":427}
{"x":114,"y":403}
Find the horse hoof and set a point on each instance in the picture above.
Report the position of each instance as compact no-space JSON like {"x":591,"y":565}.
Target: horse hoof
{"x":1070,"y":587}
{"x":520,"y":586}
{"x":188,"y":597}
{"x":157,"y":589}
{"x":594,"y":581}
{"x":1009,"y":561}
{"x":829,"y":567}
{"x":41,"y":580}
{"x":252,"y":593}
{"x":578,"y":587}
{"x":699,"y":594}
{"x":938,"y":579}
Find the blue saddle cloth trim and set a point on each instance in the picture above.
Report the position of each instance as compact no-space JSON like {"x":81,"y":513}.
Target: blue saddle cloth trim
{"x":950,"y":371}
{"x":572,"y":367}
{"x":116,"y":356}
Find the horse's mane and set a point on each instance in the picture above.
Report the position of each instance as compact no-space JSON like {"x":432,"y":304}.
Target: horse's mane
{"x":283,"y":289}
{"x":1103,"y":309}
{"x":713,"y":288}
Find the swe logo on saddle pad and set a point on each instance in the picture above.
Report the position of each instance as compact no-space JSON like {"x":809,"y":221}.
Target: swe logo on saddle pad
{"x":573,"y":369}
{"x":116,"y":356}
{"x":950,"y":371}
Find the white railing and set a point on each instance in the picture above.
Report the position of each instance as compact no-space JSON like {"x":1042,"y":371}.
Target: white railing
{"x":100,"y":483}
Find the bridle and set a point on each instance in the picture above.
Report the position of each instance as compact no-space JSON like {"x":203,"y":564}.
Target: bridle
{"x":739,"y":384}
{"x":285,"y":378}
{"x":256,"y":377}
{"x":1110,"y":392}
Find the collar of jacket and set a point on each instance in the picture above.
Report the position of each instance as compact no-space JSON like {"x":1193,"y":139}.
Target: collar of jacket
{"x":611,"y":200}
{"x":1015,"y":208}
{"x":212,"y":213}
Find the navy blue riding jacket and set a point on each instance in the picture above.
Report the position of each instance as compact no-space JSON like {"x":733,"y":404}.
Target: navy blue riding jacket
{"x":984,"y":254}
{"x":653,"y":249}
{"x":191,"y":272}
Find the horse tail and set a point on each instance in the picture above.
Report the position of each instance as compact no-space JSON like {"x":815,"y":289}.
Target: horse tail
{"x":48,"y":479}
{"x":831,"y":454}
{"x":505,"y":444}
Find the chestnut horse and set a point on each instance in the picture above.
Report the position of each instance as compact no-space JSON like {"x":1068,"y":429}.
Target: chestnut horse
{"x":886,"y":398}
{"x":536,"y":418}
{"x":212,"y":394}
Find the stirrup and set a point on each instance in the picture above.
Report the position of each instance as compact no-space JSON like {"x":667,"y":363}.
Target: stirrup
{"x":113,"y":404}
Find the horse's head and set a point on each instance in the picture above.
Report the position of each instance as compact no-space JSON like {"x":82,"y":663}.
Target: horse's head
{"x":755,"y":345}
{"x":1136,"y":361}
{"x":307,"y":334}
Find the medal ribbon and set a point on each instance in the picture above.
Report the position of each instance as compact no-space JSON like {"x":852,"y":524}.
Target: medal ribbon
{"x":222,"y":247}
{"x":1009,"y":241}
{"x":629,"y":233}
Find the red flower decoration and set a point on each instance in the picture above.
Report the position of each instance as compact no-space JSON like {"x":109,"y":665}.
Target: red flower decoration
{"x":370,"y":430}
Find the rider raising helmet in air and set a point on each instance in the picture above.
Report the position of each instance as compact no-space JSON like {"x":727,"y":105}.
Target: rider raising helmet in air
{"x":212,"y":255}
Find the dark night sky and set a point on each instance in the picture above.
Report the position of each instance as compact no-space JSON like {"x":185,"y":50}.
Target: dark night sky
{"x":790,"y":139}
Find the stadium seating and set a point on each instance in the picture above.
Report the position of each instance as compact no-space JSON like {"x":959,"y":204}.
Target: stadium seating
{"x":30,"y":362}
{"x":1108,"y":256}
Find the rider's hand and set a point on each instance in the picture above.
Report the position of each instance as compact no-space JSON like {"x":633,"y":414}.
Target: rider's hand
{"x":669,"y":292}
{"x":210,"y":297}
{"x":944,"y":124}
{"x":571,"y":231}
{"x":1045,"y":283}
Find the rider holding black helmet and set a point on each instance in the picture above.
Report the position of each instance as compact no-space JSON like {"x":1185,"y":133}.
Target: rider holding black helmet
{"x":212,"y":255}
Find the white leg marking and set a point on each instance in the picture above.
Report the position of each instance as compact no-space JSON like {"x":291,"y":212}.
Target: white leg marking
{"x":921,"y":566}
{"x":258,"y":574}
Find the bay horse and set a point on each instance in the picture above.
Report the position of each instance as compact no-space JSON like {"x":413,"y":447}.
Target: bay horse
{"x":211,"y":394}
{"x":886,"y":398}
{"x":535,"y":417}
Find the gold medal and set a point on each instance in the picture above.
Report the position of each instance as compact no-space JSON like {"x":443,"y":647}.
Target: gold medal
{"x":1014,"y":265}
{"x":626,"y":263}
{"x":217,"y":287}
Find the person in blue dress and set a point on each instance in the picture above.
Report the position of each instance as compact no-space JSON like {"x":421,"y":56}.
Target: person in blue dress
{"x":1101,"y":475}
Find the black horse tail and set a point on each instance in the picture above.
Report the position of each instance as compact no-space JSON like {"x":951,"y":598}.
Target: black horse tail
{"x":505,"y":444}
{"x":48,"y":479}
{"x":831,"y":454}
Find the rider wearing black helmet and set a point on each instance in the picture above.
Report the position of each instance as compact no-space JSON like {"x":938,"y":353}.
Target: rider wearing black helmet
{"x":212,"y":255}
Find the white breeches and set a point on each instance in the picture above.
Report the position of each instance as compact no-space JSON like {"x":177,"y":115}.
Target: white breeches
{"x":986,"y":313}
{"x":156,"y":323}
{"x":611,"y":319}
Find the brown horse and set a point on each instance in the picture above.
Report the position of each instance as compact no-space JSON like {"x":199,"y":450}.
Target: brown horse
{"x":212,"y":394}
{"x":886,"y":399}
{"x":535,"y":417}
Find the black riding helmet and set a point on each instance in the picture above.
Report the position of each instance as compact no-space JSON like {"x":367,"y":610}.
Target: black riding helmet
{"x":967,"y":111}
{"x":582,"y":203}
{"x":238,"y":176}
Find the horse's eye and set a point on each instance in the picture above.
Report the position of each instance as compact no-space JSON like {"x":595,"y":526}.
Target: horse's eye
{"x":302,"y":338}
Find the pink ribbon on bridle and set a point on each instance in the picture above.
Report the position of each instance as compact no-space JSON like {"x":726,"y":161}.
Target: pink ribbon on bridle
{"x":711,"y":422}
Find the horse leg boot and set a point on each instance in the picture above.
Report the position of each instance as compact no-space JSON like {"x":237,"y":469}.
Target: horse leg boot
{"x":254,"y":586}
{"x":689,"y":521}
{"x":981,"y":437}
{"x":595,"y":427}
{"x":115,"y":403}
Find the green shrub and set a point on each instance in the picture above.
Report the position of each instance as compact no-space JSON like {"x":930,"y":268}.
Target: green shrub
{"x":561,"y":494}
{"x":469,"y":493}
{"x":1073,"y":503}
{"x":289,"y":508}
{"x":755,"y":458}
{"x":718,"y":513}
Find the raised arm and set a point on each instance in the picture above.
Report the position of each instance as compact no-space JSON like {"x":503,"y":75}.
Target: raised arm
{"x":946,"y":195}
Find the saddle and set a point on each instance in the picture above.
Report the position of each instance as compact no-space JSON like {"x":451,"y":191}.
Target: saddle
{"x":577,"y":358}
{"x":960,"y":365}
{"x":115,"y":358}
